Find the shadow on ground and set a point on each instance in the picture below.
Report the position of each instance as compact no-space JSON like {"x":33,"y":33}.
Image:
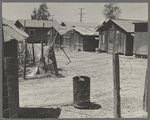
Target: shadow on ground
{"x":39,"y":112}
{"x":89,"y":105}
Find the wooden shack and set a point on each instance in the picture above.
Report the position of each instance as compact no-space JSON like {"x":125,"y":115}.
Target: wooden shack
{"x":11,"y":36}
{"x":140,"y":46}
{"x":81,"y":38}
{"x":116,"y":35}
{"x":36,"y":29}
{"x":57,"y":33}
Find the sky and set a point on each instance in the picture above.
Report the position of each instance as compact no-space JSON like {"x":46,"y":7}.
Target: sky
{"x":70,"y":11}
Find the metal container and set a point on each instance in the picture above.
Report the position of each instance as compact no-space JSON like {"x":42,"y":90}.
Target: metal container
{"x":81,"y":91}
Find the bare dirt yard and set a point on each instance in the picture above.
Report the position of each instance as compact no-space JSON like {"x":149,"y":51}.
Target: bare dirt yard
{"x":56,"y":92}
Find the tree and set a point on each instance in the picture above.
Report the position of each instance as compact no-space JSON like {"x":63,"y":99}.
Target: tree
{"x":41,"y":14}
{"x":111,"y":11}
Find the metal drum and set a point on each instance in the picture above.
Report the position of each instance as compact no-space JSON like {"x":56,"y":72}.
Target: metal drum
{"x":81,"y":91}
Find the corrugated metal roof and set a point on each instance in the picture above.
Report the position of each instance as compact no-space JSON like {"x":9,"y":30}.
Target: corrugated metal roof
{"x":99,"y":25}
{"x":125,"y":24}
{"x":144,"y":21}
{"x":12,"y":32}
{"x":81,"y":24}
{"x":61,"y":29}
{"x":12,"y":21}
{"x":39,"y":23}
{"x":86,"y":30}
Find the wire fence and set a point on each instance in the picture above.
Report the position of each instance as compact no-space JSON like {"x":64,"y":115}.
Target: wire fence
{"x":48,"y":91}
{"x":132,"y":77}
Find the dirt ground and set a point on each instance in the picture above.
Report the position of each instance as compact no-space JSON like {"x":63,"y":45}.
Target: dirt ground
{"x":56,"y":92}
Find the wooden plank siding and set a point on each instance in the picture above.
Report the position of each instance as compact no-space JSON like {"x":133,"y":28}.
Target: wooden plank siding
{"x":116,"y":40}
{"x":75,"y":41}
{"x":66,"y":39}
{"x":129,"y":45}
{"x":40,"y":33}
{"x":141,"y":39}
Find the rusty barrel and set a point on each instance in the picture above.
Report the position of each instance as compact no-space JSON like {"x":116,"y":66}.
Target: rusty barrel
{"x":81,"y":91}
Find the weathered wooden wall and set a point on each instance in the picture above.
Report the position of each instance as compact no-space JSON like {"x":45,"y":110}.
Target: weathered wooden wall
{"x":121,"y":42}
{"x":140,"y":43}
{"x":40,"y":33}
{"x":10,"y":91}
{"x":129,"y":45}
{"x":89,"y":43}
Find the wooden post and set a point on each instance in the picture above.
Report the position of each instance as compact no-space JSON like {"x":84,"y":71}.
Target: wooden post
{"x":125,"y":38}
{"x":33,"y":54}
{"x":101,"y":42}
{"x":42,"y":52}
{"x":54,"y":60}
{"x":116,"y":79}
{"x":25,"y":57}
{"x":106,"y":38}
{"x":145,"y":96}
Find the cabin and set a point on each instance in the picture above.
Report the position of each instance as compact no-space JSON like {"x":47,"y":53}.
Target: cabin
{"x":81,"y":39}
{"x":116,"y":35}
{"x":140,"y":46}
{"x":81,"y":36}
{"x":57,"y":33}
{"x":36,"y":29}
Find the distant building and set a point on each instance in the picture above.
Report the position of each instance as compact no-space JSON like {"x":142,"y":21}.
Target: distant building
{"x":36,"y":29}
{"x":140,"y":46}
{"x":57,"y":33}
{"x":81,"y":36}
{"x":116,"y":35}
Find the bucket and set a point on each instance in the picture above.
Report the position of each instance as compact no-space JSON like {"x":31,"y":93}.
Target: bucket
{"x":81,"y":91}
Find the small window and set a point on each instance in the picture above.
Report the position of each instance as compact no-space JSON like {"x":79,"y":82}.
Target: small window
{"x":31,"y":32}
{"x":103,"y":38}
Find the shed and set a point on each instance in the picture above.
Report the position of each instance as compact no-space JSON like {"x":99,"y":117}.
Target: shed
{"x":81,"y":38}
{"x":58,"y":32}
{"x":116,"y":35}
{"x":140,"y":46}
{"x":37,"y":29}
{"x":81,"y":35}
{"x":11,"y":35}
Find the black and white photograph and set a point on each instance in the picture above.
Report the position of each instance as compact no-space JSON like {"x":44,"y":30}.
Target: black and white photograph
{"x":74,"y":60}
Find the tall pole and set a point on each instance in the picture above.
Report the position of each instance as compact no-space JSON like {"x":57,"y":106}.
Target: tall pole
{"x":116,"y":79}
{"x":33,"y":54}
{"x":25,"y":54}
{"x":145,"y":97}
{"x":42,"y":49}
{"x":81,"y":14}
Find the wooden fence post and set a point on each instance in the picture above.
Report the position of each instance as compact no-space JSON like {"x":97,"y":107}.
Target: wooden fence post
{"x":42,"y":52}
{"x":33,"y":54}
{"x":116,"y":79}
{"x":54,"y":60}
{"x":145,"y":97}
{"x":25,"y":56}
